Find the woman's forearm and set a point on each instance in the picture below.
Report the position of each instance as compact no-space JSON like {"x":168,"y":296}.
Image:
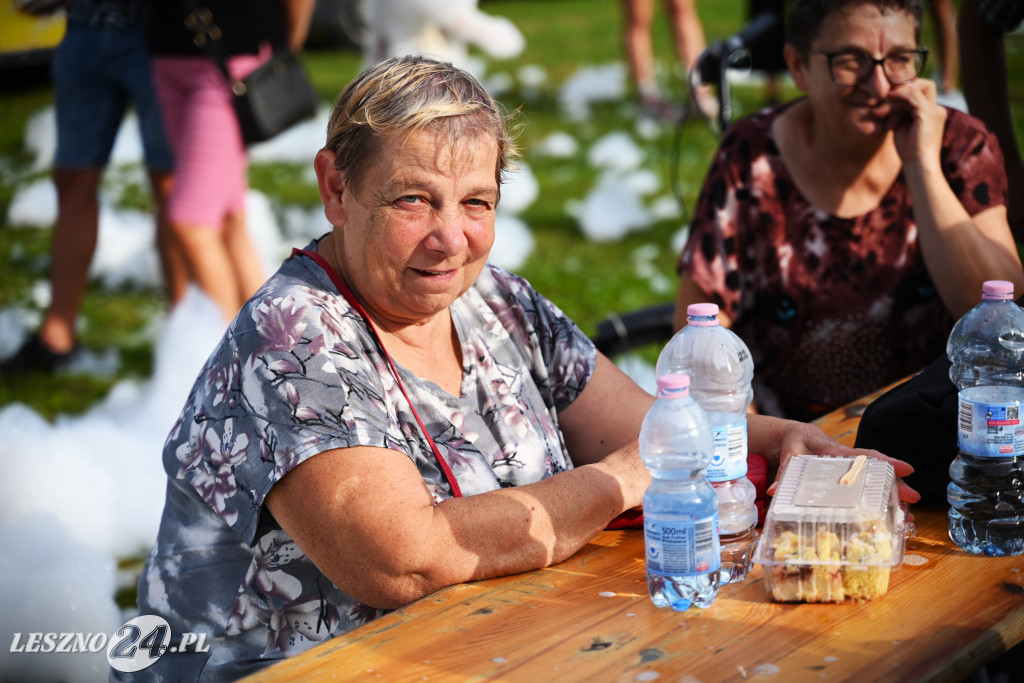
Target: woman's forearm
{"x":367,"y":521}
{"x":961,"y":252}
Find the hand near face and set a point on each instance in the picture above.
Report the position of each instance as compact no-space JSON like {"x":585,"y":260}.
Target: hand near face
{"x":917,"y":121}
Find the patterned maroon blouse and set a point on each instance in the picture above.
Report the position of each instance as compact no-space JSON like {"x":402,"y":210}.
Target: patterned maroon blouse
{"x":831,"y":308}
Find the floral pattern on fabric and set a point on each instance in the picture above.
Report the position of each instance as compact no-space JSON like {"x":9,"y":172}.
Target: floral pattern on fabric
{"x":296,"y":374}
{"x":832,"y":308}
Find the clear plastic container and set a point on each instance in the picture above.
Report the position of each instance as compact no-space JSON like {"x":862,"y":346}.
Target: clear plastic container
{"x":827,"y":541}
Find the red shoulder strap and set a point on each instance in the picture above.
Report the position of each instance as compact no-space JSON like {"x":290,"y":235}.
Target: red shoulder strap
{"x":350,"y":297}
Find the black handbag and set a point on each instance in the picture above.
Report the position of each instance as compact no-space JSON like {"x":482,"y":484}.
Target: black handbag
{"x":272,"y":98}
{"x":916,"y":421}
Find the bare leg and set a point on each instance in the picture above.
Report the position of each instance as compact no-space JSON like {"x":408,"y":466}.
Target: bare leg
{"x":172,"y":258}
{"x":248,"y":267}
{"x":74,"y":241}
{"x":688,"y":31}
{"x":690,"y":43}
{"x":639,"y":47}
{"x":209,"y":265}
{"x":223,"y":261}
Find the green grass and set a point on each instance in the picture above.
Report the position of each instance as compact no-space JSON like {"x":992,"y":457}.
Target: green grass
{"x":586,"y":279}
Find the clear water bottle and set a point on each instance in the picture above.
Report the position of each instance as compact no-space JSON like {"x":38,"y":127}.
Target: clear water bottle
{"x":680,"y":507}
{"x":720,"y":370}
{"x":986,"y":491}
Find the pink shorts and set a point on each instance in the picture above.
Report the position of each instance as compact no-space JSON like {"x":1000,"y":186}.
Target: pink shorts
{"x":210,"y":162}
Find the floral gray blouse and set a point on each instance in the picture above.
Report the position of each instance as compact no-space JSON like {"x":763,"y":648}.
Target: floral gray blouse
{"x":298,"y":373}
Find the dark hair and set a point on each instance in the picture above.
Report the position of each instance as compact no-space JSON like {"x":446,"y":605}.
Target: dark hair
{"x":806,"y":16}
{"x":403,"y":94}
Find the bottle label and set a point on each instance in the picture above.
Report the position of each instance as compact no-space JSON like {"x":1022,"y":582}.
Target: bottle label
{"x":990,"y":429}
{"x":729,"y":460}
{"x":682,"y":547}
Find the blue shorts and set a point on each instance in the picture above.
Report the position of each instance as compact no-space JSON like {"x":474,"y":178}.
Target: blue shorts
{"x":97,"y":73}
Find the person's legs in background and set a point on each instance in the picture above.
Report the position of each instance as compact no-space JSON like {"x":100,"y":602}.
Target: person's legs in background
{"x":687,"y":31}
{"x":72,"y":246}
{"x":688,"y":36}
{"x":236,"y":241}
{"x":943,"y":14}
{"x":210,"y":265}
{"x":89,"y":107}
{"x":97,"y":72}
{"x":172,"y":257}
{"x":690,"y":42}
{"x":137,"y":76}
{"x":247,"y":266}
{"x":206,"y":207}
{"x":639,"y":17}
{"x":222,"y":260}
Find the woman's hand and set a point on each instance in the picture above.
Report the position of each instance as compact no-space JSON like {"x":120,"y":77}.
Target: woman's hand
{"x":798,"y":438}
{"x":917,"y":121}
{"x":960,"y":250}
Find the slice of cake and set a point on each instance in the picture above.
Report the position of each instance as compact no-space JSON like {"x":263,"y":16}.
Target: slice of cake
{"x":828,"y":538}
{"x":808,"y":568}
{"x":870,"y":556}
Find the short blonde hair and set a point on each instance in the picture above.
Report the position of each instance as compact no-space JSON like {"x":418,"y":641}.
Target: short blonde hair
{"x":405,"y":94}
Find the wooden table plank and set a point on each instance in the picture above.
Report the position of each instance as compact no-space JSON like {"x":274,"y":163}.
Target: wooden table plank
{"x":589,"y":618}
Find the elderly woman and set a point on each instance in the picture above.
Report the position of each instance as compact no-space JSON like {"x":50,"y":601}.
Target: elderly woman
{"x":390,"y":415}
{"x":843,"y":233}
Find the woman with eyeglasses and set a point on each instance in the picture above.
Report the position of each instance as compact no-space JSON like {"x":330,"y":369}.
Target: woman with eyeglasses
{"x":842,"y":234}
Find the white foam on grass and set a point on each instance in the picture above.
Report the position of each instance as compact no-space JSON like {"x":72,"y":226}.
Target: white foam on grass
{"x":66,"y":514}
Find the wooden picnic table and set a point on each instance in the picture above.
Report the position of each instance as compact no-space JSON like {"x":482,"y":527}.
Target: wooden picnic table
{"x":946,"y":614}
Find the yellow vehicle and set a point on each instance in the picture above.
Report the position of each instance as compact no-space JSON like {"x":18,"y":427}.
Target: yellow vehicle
{"x":27,"y":40}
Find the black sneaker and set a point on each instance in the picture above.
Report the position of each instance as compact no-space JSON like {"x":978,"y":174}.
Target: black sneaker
{"x":34,"y":356}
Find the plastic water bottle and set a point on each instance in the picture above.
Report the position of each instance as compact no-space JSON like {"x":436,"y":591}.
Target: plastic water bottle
{"x":986,"y":494}
{"x":720,"y":370}
{"x":680,"y":507}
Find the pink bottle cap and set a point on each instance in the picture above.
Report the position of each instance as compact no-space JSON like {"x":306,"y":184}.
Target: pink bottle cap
{"x":702,"y":311}
{"x":997,"y":290}
{"x":673,"y":385}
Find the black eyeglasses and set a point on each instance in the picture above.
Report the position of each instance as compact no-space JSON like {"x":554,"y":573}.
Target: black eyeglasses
{"x":852,"y":67}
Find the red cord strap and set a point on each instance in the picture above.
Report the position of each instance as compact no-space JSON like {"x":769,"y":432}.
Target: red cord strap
{"x":354,"y":303}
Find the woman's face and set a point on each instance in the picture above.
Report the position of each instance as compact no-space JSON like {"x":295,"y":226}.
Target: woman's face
{"x":863,"y":108}
{"x":417,"y":233}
